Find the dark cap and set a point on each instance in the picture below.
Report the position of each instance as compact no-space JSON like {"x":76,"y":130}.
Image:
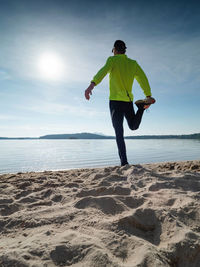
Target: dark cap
{"x":120,"y":46}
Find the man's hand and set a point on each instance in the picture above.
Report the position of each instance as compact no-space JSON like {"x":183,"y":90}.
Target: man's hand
{"x":88,"y":91}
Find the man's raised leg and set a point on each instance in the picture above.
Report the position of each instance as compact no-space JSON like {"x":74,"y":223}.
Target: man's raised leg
{"x":133,"y":119}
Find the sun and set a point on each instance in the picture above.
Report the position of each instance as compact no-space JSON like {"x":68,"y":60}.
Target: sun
{"x":50,"y":66}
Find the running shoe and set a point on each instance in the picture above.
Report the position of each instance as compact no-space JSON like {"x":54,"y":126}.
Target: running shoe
{"x":145,"y":103}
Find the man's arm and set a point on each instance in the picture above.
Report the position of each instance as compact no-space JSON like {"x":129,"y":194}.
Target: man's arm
{"x":88,"y":91}
{"x":98,"y":78}
{"x":142,"y":80}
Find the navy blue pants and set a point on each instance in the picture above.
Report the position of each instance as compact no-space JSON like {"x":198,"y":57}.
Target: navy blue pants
{"x":119,"y":110}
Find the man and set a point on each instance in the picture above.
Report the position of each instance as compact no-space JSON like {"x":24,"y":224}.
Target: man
{"x":122,"y":72}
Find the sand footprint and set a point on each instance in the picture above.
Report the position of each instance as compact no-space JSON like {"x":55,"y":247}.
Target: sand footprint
{"x":8,"y":261}
{"x":107,"y":205}
{"x":131,"y":202}
{"x":23,"y":185}
{"x":143,"y":224}
{"x":66,"y":255}
{"x":6,"y":200}
{"x":115,"y":178}
{"x":100,"y":191}
{"x":46,"y":193}
{"x":8,"y":209}
{"x":28,"y":200}
{"x":161,"y":185}
{"x":22,"y":193}
{"x":72,"y":185}
{"x":57,"y":198}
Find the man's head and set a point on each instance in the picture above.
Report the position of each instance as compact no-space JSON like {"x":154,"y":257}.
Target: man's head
{"x":119,"y":47}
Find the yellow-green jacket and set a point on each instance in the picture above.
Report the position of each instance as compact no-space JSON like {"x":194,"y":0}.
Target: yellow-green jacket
{"x":122,"y":72}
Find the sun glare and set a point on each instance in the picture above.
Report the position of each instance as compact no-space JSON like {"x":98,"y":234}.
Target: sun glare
{"x":50,"y":66}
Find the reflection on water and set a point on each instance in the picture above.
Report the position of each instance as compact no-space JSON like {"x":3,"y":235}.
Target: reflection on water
{"x":39,"y":155}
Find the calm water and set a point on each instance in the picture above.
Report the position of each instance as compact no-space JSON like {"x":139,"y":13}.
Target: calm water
{"x":40,"y":155}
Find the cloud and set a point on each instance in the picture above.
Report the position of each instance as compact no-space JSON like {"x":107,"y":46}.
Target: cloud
{"x":64,"y":109}
{"x":8,"y":117}
{"x":4,"y":75}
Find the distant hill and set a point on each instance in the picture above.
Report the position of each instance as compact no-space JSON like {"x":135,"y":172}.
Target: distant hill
{"x":99,"y":136}
{"x":184,"y":136}
{"x":18,"y":138}
{"x":76,"y":136}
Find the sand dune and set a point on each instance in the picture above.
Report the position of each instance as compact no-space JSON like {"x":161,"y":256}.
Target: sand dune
{"x":140,"y":215}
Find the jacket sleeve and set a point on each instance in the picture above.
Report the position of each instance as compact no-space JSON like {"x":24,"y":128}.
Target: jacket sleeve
{"x":102,"y":72}
{"x":142,"y":80}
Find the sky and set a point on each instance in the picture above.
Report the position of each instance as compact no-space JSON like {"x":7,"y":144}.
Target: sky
{"x":50,"y":51}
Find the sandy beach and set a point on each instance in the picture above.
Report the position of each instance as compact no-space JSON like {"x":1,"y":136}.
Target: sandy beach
{"x":137,"y":215}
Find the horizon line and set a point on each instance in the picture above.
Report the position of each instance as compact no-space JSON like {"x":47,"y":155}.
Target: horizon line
{"x":103,"y":135}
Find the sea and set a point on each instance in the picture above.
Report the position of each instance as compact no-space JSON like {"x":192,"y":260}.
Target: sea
{"x":44,"y":155}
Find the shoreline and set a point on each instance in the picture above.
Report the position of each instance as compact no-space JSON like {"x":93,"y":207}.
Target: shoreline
{"x":130,"y":216}
{"x":188,"y":162}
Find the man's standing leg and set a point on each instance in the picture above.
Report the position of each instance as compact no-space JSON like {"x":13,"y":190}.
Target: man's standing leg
{"x":117,"y":116}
